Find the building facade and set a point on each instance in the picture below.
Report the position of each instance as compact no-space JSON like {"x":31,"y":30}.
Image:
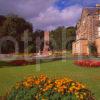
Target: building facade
{"x":88,"y":31}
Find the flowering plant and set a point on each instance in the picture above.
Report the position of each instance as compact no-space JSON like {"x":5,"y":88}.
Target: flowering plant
{"x":43,"y":88}
{"x":87,"y":63}
{"x":21,"y":62}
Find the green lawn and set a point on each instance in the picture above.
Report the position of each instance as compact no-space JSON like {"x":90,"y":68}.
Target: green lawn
{"x":89,"y":76}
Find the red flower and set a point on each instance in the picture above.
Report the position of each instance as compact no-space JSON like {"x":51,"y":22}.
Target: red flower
{"x":87,"y":63}
{"x":18,"y":62}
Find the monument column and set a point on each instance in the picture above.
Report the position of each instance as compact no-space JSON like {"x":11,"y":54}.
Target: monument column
{"x":46,"y":44}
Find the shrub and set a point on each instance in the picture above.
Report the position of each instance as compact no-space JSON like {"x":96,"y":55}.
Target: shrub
{"x":43,"y":88}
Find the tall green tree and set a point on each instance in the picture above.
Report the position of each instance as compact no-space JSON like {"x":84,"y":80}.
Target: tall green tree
{"x":2,"y":19}
{"x":70,"y":36}
{"x":15,"y":26}
{"x":62,"y":38}
{"x":56,"y":37}
{"x":38,"y":39}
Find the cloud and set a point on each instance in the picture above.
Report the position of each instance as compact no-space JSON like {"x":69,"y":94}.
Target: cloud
{"x":24,"y":8}
{"x":54,"y":17}
{"x":42,"y":13}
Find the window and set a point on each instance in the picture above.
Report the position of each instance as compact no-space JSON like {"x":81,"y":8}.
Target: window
{"x":77,"y":37}
{"x":78,"y":48}
{"x":83,"y":21}
{"x":98,"y":31}
{"x":99,"y":17}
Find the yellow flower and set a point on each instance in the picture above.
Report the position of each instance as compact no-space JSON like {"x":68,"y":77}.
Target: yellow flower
{"x":84,"y":94}
{"x":83,"y":86}
{"x":26,"y":84}
{"x":17,"y":85}
{"x":73,"y":84}
{"x":81,"y":97}
{"x":37,"y":82}
{"x":49,"y":81}
{"x":76,"y":93}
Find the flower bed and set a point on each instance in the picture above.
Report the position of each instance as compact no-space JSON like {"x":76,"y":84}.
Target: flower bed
{"x":87,"y":63}
{"x":21,"y":62}
{"x":43,"y":88}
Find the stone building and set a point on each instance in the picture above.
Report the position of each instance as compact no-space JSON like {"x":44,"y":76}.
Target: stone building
{"x":88,"y":31}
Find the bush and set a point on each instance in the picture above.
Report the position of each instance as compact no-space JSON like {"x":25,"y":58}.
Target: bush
{"x":43,"y":88}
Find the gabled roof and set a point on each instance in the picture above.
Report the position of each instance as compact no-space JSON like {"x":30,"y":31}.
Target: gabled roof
{"x":92,"y":10}
{"x":89,"y":11}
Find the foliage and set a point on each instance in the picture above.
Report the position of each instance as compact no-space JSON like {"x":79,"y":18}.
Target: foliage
{"x":71,"y":31}
{"x":56,"y":38}
{"x":2,"y":19}
{"x":7,"y":47}
{"x":71,"y":34}
{"x":55,"y":69}
{"x":39,"y":88}
{"x":14,"y":26}
{"x":38,"y":39}
{"x":62,"y":38}
{"x":93,"y":49}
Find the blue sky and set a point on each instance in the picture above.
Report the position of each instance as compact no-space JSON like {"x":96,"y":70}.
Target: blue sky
{"x":61,"y":4}
{"x":47,"y":14}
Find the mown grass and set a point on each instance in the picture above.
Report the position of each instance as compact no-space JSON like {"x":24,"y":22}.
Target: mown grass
{"x":90,"y":76}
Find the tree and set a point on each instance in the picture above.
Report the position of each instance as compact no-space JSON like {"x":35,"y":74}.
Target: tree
{"x":70,"y":35}
{"x":2,"y":19}
{"x":62,"y":38}
{"x":15,"y":26}
{"x":71,"y":31}
{"x":38,"y":40}
{"x":56,"y":37}
{"x":7,"y":47}
{"x":93,"y":49}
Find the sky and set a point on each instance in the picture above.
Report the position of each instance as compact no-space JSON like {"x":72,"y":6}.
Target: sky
{"x":47,"y":14}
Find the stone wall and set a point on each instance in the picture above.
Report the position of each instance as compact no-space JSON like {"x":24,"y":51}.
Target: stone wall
{"x":80,"y":47}
{"x":97,"y":42}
